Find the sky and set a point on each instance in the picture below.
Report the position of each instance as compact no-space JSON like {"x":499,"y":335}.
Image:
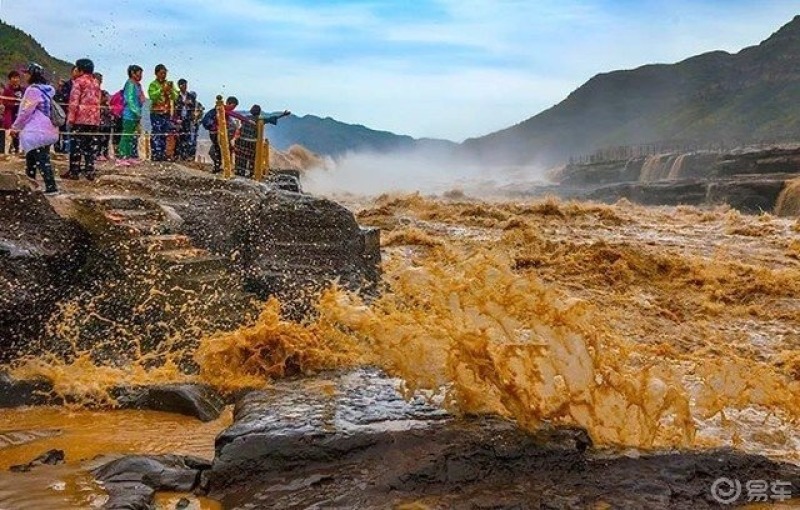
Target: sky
{"x":450,"y":69}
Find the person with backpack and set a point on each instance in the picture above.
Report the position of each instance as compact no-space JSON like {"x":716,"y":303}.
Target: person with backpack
{"x":36,"y":131}
{"x":133,"y":99}
{"x":210,"y":123}
{"x":84,"y":117}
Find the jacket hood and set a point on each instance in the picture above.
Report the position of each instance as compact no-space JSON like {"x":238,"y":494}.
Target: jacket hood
{"x":47,"y":89}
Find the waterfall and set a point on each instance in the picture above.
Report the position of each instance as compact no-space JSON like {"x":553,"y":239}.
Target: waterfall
{"x":789,"y":200}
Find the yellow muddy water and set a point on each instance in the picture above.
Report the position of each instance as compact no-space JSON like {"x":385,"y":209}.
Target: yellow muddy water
{"x":84,"y":436}
{"x":653,"y":328}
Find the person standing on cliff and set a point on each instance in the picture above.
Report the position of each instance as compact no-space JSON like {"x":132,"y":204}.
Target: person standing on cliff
{"x":62,"y":98}
{"x":246,"y":145}
{"x":162,"y":95}
{"x":36,"y":131}
{"x":84,"y":117}
{"x":210,"y":123}
{"x":12,"y":97}
{"x":184,"y":117}
{"x":133,"y":97}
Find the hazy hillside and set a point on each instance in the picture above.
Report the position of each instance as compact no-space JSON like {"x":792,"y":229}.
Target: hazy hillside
{"x":18,"y":48}
{"x":751,"y":95}
{"x":333,"y":138}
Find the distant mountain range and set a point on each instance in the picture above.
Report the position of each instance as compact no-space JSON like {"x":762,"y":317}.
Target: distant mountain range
{"x":748,"y":96}
{"x":333,"y":138}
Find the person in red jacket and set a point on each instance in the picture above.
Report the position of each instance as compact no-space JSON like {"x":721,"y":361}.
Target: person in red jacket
{"x":84,"y":117}
{"x":12,"y":96}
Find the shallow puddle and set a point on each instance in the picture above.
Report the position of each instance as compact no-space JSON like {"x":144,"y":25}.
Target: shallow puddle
{"x":84,"y":436}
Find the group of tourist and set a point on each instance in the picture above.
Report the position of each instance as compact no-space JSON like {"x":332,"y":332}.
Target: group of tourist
{"x":95,"y":119}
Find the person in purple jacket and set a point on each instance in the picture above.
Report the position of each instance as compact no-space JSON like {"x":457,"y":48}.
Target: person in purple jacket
{"x":36,"y":132}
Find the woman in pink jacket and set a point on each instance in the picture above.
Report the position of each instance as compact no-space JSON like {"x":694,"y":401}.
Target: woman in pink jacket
{"x":36,"y":132}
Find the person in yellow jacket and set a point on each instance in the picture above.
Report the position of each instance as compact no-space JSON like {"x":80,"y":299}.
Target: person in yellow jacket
{"x":162,"y":95}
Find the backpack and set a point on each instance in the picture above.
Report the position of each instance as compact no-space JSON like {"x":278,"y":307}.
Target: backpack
{"x":57,"y":115}
{"x":117,"y":104}
{"x":210,"y":120}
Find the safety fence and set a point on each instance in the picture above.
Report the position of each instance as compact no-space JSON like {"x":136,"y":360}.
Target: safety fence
{"x":247,"y":157}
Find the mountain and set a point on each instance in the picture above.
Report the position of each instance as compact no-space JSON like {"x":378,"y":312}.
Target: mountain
{"x":334,"y":138}
{"x":715,"y":97}
{"x":18,"y":48}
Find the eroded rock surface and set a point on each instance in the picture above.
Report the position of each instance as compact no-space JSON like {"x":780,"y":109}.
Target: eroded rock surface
{"x":351,"y":441}
{"x":39,"y":255}
{"x":132,"y":481}
{"x":199,"y":401}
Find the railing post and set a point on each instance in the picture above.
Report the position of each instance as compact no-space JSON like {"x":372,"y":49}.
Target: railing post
{"x":258,"y":170}
{"x":265,"y":155}
{"x":222,"y":139}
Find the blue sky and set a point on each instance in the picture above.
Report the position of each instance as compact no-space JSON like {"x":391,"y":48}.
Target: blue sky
{"x":428,"y":68}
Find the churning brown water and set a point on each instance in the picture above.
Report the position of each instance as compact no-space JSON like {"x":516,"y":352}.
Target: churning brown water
{"x":650,"y":327}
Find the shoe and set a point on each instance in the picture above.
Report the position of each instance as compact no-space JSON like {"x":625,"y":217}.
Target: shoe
{"x":51,"y":192}
{"x":123,"y":162}
{"x":69,"y":176}
{"x":90,"y":176}
{"x":102,"y":159}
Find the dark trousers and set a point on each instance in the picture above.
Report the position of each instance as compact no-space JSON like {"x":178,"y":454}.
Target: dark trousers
{"x":214,"y":152}
{"x":2,"y":141}
{"x":159,"y":123}
{"x":101,"y":141}
{"x":184,"y":148}
{"x":40,"y":159}
{"x":116,"y":135}
{"x":81,"y":150}
{"x":13,"y":144}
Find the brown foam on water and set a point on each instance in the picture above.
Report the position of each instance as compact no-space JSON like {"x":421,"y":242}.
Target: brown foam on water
{"x":643,"y":325}
{"x":272,"y":348}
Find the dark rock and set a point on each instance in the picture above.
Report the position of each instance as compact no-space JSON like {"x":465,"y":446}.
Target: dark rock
{"x":285,"y":244}
{"x":199,"y":401}
{"x":14,"y":393}
{"x":39,"y":254}
{"x":751,"y":196}
{"x":351,"y":441}
{"x":285,"y":182}
{"x":132,"y":481}
{"x":48,"y":458}
{"x":129,"y":496}
{"x":654,"y":193}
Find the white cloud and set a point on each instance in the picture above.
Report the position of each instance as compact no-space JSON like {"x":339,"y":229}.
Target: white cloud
{"x":475,"y":67}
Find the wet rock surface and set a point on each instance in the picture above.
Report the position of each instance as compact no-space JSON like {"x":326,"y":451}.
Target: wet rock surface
{"x":747,"y":180}
{"x":199,"y":401}
{"x":752,"y":194}
{"x":48,"y":458}
{"x":131,"y":482}
{"x":351,"y":441}
{"x":39,"y":254}
{"x":16,"y":393}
